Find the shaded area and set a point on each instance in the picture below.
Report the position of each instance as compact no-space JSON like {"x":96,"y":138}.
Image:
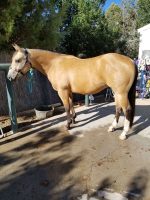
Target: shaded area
{"x":36,"y":177}
{"x":51,"y":164}
{"x":135,"y":190}
{"x":41,"y":181}
{"x":138,"y":185}
{"x":25,"y":118}
{"x":98,"y":110}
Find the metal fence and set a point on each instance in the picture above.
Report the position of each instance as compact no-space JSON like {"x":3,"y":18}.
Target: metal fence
{"x":42,"y":92}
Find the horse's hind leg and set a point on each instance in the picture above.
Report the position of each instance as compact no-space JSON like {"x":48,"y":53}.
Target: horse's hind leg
{"x":125,"y":105}
{"x":72,"y":108}
{"x":64,"y":95}
{"x":116,"y":120}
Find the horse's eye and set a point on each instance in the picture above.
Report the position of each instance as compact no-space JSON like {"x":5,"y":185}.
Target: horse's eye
{"x":18,"y":60}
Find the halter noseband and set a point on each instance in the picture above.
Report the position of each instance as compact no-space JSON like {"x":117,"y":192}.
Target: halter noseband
{"x":27,"y":61}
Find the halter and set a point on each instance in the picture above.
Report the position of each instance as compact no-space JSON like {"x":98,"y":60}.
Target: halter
{"x":27,"y":62}
{"x":27,"y":58}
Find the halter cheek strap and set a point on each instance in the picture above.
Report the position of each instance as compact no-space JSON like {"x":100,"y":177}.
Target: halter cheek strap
{"x":27,"y":61}
{"x":21,"y":73}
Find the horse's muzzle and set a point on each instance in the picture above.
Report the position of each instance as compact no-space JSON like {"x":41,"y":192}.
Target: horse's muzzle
{"x":12,"y":74}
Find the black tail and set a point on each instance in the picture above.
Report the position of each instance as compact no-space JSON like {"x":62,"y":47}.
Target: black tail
{"x":132,"y":97}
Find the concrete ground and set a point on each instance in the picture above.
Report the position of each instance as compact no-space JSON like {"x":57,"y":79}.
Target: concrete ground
{"x":45,"y":162}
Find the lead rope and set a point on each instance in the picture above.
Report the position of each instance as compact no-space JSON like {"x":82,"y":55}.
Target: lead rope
{"x":30,"y":80}
{"x":2,"y":134}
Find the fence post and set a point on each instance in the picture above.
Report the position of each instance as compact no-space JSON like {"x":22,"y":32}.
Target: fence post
{"x":10,"y":97}
{"x":11,"y":104}
{"x":87,"y":100}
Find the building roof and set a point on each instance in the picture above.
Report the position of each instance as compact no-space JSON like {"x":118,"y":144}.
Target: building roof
{"x":144,"y":28}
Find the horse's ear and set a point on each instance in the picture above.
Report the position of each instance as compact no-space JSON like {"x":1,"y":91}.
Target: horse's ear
{"x":16,"y":47}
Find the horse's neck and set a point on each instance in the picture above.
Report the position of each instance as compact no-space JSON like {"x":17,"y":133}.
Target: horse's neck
{"x":41,"y":60}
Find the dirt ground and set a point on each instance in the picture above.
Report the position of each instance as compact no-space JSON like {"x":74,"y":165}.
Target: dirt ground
{"x":44,"y":162}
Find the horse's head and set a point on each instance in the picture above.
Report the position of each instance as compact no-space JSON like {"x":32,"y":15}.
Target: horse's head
{"x":20,"y":63}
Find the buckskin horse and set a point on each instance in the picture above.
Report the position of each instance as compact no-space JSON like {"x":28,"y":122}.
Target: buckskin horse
{"x":69,"y":74}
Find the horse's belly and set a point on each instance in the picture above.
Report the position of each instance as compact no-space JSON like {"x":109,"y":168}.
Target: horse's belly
{"x":88,"y":88}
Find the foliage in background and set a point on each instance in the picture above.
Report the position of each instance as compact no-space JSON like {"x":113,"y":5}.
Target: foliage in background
{"x":73,"y":26}
{"x":92,"y":32}
{"x":129,"y":27}
{"x":9,"y":11}
{"x":115,"y":22}
{"x":143,"y":11}
{"x":122,"y":22}
{"x":85,"y":31}
{"x":31,"y":23}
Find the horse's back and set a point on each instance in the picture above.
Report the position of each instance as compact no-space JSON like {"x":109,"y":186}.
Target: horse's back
{"x":118,"y":71}
{"x":91,"y":75}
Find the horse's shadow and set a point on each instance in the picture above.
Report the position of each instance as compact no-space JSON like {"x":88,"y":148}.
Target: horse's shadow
{"x":143,"y":121}
{"x":102,"y":110}
{"x":96,"y":111}
{"x":105,"y":109}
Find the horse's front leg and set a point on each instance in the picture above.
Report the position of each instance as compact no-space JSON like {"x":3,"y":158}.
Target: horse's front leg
{"x":72,"y":108}
{"x":64,"y":95}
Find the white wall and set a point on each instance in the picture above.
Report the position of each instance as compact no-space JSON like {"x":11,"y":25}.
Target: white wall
{"x":144,"y":39}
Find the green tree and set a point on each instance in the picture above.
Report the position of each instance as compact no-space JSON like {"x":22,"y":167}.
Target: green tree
{"x":129,"y":27}
{"x":115,"y":21}
{"x":32,"y":23}
{"x":9,"y":11}
{"x":85,"y":28}
{"x":143,"y":11}
{"x":114,"y":18}
{"x":122,"y":23}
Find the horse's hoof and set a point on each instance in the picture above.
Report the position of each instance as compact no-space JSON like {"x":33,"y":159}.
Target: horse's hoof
{"x":68,"y":127}
{"x":122,"y":137}
{"x":1,"y":136}
{"x":73,"y":121}
{"x":111,"y":129}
